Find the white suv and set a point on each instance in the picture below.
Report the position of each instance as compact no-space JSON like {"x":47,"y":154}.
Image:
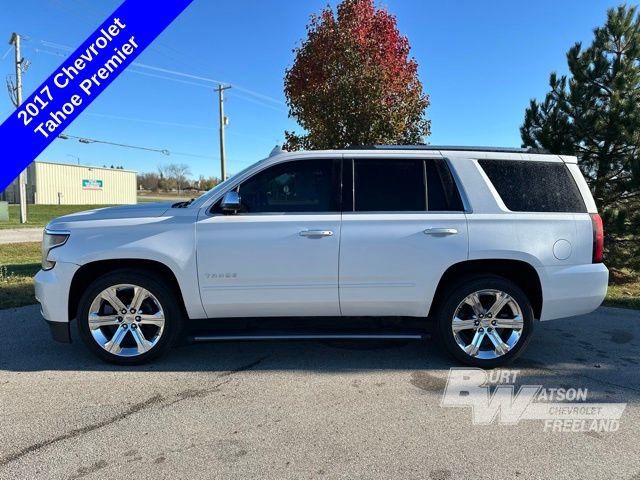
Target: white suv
{"x":482,"y":241}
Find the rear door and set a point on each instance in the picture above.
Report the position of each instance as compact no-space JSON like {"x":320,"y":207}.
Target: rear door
{"x":403,"y":225}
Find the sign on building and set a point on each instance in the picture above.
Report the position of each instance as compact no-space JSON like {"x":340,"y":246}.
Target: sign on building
{"x":91,"y":184}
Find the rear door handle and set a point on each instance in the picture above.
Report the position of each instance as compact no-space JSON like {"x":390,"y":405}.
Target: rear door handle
{"x":440,"y":231}
{"x":316,"y":233}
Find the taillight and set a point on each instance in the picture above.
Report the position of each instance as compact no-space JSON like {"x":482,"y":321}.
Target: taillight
{"x":598,"y":238}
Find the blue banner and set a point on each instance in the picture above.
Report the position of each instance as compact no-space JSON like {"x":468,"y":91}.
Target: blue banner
{"x":80,"y":79}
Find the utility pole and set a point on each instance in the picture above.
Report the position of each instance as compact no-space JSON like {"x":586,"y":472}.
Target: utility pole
{"x":223,"y":122}
{"x":74,"y":156}
{"x":22,"y":180}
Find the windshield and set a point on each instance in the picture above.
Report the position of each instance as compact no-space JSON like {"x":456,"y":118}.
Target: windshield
{"x":221,"y":186}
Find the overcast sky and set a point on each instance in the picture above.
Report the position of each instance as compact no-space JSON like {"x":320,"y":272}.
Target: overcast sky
{"x":480,"y":62}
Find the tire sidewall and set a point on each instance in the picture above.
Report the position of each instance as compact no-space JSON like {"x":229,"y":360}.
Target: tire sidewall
{"x":163,"y":293}
{"x":458,"y":293}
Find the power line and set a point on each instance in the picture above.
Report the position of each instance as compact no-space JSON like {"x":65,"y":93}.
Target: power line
{"x":171,"y":124}
{"x":194,"y":155}
{"x":64,"y":136}
{"x":177,"y":80}
{"x":151,"y":122}
{"x":164,"y":151}
{"x":191,"y":76}
{"x":100,"y":15}
{"x":156,"y":122}
{"x":177,"y":73}
{"x":257,"y":102}
{"x":193,"y":80}
{"x":131,"y":69}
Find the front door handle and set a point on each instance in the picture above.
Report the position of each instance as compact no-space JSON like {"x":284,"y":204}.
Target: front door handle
{"x":316,"y":233}
{"x":440,"y":231}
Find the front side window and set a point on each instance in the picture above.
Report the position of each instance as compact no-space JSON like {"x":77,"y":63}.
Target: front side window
{"x":297,"y":186}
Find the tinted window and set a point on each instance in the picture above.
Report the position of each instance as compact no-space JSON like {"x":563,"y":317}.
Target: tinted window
{"x":389,"y":185}
{"x":299,"y":186}
{"x":443,"y":195}
{"x":534,"y":186}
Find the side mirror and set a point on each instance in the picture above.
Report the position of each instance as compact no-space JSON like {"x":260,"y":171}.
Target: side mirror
{"x":231,"y":202}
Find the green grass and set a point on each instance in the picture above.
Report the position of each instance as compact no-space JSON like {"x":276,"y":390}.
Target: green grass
{"x":40,"y":215}
{"x":19,"y":262}
{"x":625,"y":295}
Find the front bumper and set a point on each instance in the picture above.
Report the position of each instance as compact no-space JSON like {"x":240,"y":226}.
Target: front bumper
{"x":60,"y":331}
{"x":52,"y":291}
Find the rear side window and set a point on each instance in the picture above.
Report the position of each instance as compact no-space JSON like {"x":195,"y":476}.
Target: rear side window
{"x":389,"y":185}
{"x":442,"y":192}
{"x":526,"y":186}
{"x":399,"y":185}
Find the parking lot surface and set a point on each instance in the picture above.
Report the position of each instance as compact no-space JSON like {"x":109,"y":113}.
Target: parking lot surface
{"x":304,"y":409}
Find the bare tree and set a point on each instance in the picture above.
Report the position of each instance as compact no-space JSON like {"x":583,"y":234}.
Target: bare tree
{"x":149,"y":181}
{"x":177,"y":174}
{"x":163,"y":182}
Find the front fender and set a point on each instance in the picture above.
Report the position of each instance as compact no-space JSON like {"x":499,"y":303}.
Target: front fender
{"x":166,"y":240}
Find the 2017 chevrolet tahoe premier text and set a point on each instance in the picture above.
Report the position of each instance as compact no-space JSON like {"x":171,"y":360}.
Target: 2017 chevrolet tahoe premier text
{"x":484,"y":242}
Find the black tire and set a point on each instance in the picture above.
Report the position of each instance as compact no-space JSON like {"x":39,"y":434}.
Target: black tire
{"x":453,"y":298}
{"x":160,"y":290}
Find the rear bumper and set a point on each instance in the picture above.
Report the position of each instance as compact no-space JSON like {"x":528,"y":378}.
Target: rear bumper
{"x":573,"y":290}
{"x":52,"y":291}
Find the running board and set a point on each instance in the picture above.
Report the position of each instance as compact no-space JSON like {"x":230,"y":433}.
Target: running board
{"x":306,"y":336}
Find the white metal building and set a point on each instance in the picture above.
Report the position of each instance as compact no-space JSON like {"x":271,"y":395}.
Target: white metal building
{"x":50,"y":183}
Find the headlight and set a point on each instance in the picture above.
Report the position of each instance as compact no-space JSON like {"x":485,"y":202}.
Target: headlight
{"x":50,"y":240}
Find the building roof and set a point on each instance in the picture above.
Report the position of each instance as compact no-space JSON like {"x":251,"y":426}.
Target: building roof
{"x":93,"y":167}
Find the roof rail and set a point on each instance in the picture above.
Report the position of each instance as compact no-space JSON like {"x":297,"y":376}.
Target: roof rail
{"x":460,"y":148}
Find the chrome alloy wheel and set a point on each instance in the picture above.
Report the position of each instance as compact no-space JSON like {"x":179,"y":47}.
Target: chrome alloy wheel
{"x":487,"y":324}
{"x":126,"y":320}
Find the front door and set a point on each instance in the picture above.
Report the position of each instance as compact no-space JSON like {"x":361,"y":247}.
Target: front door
{"x":402,"y":228}
{"x":277,"y":256}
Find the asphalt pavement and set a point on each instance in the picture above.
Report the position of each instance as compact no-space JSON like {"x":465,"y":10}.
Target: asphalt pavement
{"x":304,"y":409}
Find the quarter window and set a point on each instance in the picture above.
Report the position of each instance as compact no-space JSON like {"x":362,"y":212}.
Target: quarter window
{"x":527,"y":186}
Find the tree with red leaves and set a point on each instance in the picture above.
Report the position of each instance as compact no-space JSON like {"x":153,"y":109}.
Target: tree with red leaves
{"x":353,"y":83}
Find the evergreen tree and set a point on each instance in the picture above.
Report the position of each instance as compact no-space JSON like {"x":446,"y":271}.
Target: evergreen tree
{"x":595,"y":114}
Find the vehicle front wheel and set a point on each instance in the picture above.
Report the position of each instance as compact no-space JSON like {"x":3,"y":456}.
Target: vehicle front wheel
{"x":128,"y":317}
{"x":485,"y":322}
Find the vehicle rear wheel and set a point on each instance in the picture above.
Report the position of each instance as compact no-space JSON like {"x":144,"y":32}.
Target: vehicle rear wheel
{"x":128,"y":317}
{"x":485,"y":321}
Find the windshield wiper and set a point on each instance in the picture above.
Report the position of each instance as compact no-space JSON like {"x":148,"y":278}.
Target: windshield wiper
{"x":183,"y":204}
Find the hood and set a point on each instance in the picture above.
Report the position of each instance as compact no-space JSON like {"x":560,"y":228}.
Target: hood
{"x":144,"y":210}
